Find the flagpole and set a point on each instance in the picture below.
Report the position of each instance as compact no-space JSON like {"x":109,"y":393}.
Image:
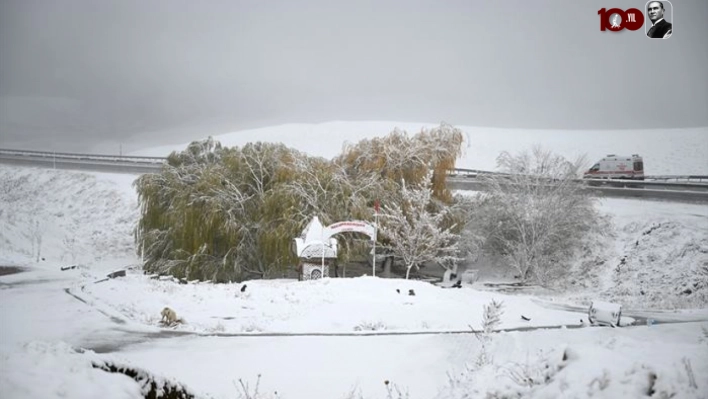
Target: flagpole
{"x":323,"y":250}
{"x":376,"y":227}
{"x":373,"y":265}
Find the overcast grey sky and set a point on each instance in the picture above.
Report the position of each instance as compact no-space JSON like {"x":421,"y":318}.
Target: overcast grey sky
{"x":76,"y":73}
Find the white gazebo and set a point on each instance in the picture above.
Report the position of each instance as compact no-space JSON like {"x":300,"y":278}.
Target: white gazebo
{"x":315,"y":251}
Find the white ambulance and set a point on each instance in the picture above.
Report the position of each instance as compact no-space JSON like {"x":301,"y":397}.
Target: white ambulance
{"x":617,"y":167}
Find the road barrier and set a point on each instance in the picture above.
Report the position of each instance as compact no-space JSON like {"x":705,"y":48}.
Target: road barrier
{"x":691,"y":188}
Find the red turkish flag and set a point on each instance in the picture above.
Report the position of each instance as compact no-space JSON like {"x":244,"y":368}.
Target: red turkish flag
{"x":376,"y":206}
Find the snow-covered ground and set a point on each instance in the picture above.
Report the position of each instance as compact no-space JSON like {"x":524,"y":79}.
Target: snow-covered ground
{"x":66,"y":218}
{"x":665,"y":151}
{"x":326,"y":306}
{"x":87,"y":220}
{"x":42,"y":327}
{"x":660,"y":248}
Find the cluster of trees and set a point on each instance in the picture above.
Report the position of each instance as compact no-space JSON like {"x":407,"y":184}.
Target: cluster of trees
{"x":228,"y":214}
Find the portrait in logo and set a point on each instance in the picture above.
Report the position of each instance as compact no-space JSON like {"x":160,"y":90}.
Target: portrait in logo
{"x":659,"y":14}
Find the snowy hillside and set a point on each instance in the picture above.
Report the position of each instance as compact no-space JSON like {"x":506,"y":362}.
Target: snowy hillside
{"x":666,"y":151}
{"x":660,"y":256}
{"x":66,"y":217}
{"x":655,"y":257}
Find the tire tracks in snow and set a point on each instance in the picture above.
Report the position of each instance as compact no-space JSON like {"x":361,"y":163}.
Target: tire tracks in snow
{"x":640,"y":316}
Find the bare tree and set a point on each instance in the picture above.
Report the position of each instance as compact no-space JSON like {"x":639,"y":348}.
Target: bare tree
{"x":417,"y":235}
{"x":537,"y":213}
{"x":37,"y":232}
{"x":70,"y":247}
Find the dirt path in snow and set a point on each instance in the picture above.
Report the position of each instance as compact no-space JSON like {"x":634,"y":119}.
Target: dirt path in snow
{"x":8,"y":270}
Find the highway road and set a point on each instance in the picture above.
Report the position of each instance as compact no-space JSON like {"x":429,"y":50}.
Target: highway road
{"x":694,"y":192}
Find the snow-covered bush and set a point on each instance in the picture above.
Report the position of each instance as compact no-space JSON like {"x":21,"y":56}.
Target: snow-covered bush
{"x":370,"y":326}
{"x":151,"y":386}
{"x":577,"y":372}
{"x":245,"y":392}
{"x":491,"y":319}
{"x":535,"y":213}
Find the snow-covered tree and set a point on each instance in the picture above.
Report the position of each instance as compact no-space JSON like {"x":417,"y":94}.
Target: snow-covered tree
{"x":400,"y":156}
{"x":536,"y":213}
{"x":224,"y":214}
{"x":416,"y":234}
{"x":215,"y":213}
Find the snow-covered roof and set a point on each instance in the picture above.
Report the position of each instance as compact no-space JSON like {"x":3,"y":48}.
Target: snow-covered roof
{"x":309,"y":244}
{"x":313,"y":231}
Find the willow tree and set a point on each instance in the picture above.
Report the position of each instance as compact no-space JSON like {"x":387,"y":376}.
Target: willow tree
{"x":261,"y":172}
{"x":398,"y":157}
{"x":218,"y":214}
{"x":382,"y":163}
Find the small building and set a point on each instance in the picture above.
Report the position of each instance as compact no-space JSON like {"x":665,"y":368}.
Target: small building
{"x":314,"y":256}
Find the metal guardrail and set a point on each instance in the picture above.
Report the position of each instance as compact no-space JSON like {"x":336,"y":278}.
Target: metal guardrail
{"x":695,"y":189}
{"x":604,"y":191}
{"x":681,"y":182}
{"x":652,"y":178}
{"x":688,"y":185}
{"x":87,"y":162}
{"x":457,"y":171}
{"x":700,"y":178}
{"x":69,"y":155}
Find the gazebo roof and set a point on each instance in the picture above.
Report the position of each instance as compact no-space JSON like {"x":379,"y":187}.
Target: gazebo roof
{"x":313,"y":231}
{"x":314,"y":250}
{"x":309,"y":244}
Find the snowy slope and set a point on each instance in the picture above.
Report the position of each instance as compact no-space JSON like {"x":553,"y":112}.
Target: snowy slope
{"x":655,"y":257}
{"x":666,"y":151}
{"x":658,"y":362}
{"x":66,"y":217}
{"x":660,"y":255}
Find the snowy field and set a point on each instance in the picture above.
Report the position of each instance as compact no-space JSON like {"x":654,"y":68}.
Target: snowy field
{"x":665,"y":151}
{"x":326,"y":306}
{"x":52,"y":219}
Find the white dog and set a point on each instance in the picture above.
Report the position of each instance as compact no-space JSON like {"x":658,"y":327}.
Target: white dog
{"x":169,"y":316}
